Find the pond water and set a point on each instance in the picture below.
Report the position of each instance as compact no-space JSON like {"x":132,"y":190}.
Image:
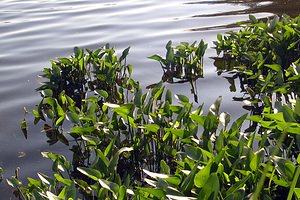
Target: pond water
{"x":34,"y":31}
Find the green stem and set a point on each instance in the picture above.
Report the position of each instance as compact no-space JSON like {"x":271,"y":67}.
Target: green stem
{"x":294,"y":182}
{"x":263,"y":177}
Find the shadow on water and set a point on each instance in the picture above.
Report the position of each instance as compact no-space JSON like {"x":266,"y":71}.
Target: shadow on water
{"x":277,"y":7}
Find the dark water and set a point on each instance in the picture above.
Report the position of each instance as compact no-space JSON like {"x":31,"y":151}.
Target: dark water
{"x":34,"y":31}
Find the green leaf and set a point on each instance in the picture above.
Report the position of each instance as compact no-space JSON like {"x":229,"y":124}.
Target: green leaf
{"x":202,"y":176}
{"x":294,"y":183}
{"x":123,"y":110}
{"x":192,"y":152}
{"x":169,"y":96}
{"x":109,"y":148}
{"x":83,"y":130}
{"x":275,"y":67}
{"x":235,"y":128}
{"x":257,"y":159}
{"x":81,"y":64}
{"x":297,"y":192}
{"x":113,"y":187}
{"x":156,"y":192}
{"x":288,"y":114}
{"x":77,"y":52}
{"x":72,"y":117}
{"x":91,"y":139}
{"x":91,"y":173}
{"x":47,"y":93}
{"x":253,"y":19}
{"x":297,"y":107}
{"x":175,"y":180}
{"x":178,"y":132}
{"x":159,"y":93}
{"x":34,"y":182}
{"x":237,"y":185}
{"x":239,"y":194}
{"x":124,"y":54}
{"x":219,"y":37}
{"x":182,"y":98}
{"x":211,"y":188}
{"x":255,"y":118}
{"x":284,"y":167}
{"x":13,"y":182}
{"x":67,"y":182}
{"x":152,"y":128}
{"x":122,"y":194}
{"x":63,"y":193}
{"x":52,"y":196}
{"x":170,"y":53}
{"x":114,"y":161}
{"x":102,"y":93}
{"x":45,"y":179}
{"x":156,"y":57}
{"x":277,"y":117}
{"x":164,"y":168}
{"x":60,"y":120}
{"x":198,"y":118}
{"x":188,"y":182}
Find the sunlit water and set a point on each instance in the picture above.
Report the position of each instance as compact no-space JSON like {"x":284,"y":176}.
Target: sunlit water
{"x":34,"y":31}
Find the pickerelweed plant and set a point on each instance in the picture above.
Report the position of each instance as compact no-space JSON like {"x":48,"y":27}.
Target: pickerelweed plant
{"x":183,"y":63}
{"x":128,"y":143}
{"x":264,"y":56}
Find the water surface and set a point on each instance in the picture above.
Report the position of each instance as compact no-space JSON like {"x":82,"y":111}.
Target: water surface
{"x":34,"y":31}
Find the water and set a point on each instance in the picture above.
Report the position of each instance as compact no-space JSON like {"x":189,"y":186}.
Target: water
{"x":34,"y":31}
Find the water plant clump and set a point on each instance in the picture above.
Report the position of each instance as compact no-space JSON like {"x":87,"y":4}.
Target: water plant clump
{"x":128,"y":143}
{"x":264,"y":57}
{"x":183,"y":63}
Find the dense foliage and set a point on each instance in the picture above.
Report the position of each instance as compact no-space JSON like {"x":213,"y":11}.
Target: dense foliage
{"x":128,"y":143}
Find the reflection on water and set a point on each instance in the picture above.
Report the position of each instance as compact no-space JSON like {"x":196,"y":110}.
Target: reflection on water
{"x":277,"y":7}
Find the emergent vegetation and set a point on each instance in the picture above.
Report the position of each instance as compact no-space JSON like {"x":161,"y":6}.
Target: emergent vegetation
{"x":128,"y":143}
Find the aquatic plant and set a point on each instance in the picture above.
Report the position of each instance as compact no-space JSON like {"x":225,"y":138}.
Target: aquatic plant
{"x":264,"y":57}
{"x":183,"y":63}
{"x":129,"y":143}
